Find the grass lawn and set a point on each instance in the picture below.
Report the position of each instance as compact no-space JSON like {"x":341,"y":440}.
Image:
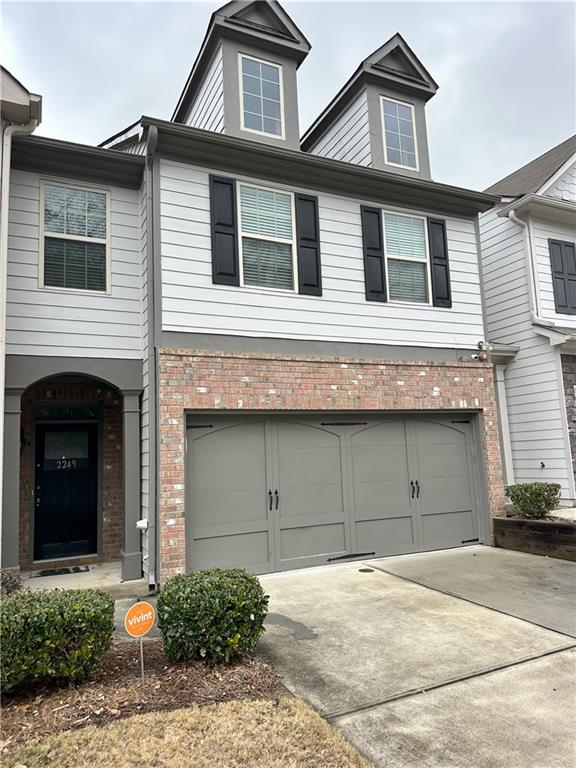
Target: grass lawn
{"x":265,"y":733}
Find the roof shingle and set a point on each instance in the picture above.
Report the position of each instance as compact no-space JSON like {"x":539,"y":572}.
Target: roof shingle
{"x":534,"y":174}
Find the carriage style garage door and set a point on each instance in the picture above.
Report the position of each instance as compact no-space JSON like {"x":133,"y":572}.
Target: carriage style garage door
{"x":276,"y":493}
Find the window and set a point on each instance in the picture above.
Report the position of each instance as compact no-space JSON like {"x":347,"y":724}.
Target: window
{"x":406,"y":251}
{"x":261,"y":104}
{"x":267,"y":238}
{"x":75,"y":236}
{"x":399,"y":135}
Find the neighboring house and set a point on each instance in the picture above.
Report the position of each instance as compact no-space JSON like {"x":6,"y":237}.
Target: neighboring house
{"x":529,"y":278}
{"x":264,"y":352}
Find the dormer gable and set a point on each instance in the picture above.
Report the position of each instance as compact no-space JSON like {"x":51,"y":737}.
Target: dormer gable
{"x":243,"y":82}
{"x":378,"y":117}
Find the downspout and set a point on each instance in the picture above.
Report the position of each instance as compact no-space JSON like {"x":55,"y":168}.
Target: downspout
{"x":532,"y":296}
{"x":9,"y":132}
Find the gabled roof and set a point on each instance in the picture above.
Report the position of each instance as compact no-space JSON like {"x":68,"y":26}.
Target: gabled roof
{"x":394,"y":64}
{"x":263,"y":22}
{"x":532,"y":176}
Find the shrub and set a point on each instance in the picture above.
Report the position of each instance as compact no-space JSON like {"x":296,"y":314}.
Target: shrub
{"x":215,"y":615}
{"x":10,"y":581}
{"x":534,"y":500}
{"x":54,"y":634}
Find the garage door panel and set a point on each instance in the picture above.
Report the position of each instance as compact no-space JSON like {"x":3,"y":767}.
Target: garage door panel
{"x":446,"y":494}
{"x":438,"y":432}
{"x":248,"y":550}
{"x":384,"y":499}
{"x":310,"y":502}
{"x":449,"y":529}
{"x":445,"y":460}
{"x":222,"y":508}
{"x":312,"y":541}
{"x":385,"y":536}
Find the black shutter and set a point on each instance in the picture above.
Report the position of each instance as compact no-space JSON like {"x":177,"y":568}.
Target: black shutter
{"x":225,"y":268}
{"x":308,"y":245}
{"x":439,"y":266}
{"x":374,"y":272}
{"x":563,"y":264}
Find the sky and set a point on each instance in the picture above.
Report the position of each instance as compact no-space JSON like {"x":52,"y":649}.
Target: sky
{"x":506,"y":70}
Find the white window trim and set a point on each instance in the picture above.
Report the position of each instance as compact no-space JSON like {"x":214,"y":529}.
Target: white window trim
{"x":428,"y":303}
{"x":411,"y":107}
{"x":282,"y":135}
{"x":78,"y":238}
{"x":265,"y":238}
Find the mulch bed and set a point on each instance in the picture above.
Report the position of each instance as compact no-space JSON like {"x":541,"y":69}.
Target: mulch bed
{"x":116,"y":692}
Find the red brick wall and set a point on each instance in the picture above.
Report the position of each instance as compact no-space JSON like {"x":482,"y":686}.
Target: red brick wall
{"x":112,"y":467}
{"x":252,"y":382}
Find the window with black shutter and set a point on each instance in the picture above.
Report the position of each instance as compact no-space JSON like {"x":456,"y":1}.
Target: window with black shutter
{"x":563,"y":266}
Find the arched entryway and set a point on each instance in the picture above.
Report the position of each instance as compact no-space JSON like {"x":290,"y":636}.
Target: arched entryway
{"x":71,"y":472}
{"x":72,"y":464}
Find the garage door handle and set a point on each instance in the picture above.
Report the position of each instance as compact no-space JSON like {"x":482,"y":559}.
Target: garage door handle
{"x":277,"y":497}
{"x":270,"y":497}
{"x":417,"y":489}
{"x":413,"y":488}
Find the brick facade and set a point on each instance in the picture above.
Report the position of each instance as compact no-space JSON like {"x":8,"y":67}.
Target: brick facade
{"x":569,"y":384}
{"x":112,"y":467}
{"x":190,"y":380}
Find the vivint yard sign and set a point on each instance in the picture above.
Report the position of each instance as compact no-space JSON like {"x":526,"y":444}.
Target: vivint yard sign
{"x":138,"y":622}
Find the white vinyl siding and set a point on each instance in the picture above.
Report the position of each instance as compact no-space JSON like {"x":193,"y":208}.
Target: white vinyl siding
{"x":207,"y":110}
{"x":348,"y":138}
{"x":43,"y":321}
{"x":192,"y":302}
{"x":535,"y":401}
{"x":542,"y":231}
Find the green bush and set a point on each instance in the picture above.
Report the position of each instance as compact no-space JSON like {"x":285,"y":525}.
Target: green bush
{"x":10,"y":581}
{"x":534,"y":500}
{"x":54,"y":634}
{"x":215,"y":615}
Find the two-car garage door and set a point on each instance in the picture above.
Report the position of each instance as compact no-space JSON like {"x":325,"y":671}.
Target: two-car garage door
{"x":275,"y":493}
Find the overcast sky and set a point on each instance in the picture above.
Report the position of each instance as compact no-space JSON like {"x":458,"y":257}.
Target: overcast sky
{"x":506,"y":70}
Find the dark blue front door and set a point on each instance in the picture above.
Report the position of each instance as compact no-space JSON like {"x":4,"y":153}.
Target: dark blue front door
{"x":66,"y":491}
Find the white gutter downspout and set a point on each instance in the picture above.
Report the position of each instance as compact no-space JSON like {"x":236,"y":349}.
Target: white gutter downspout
{"x":9,"y":132}
{"x":530,"y":262}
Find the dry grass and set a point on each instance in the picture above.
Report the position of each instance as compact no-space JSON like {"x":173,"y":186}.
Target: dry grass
{"x":283,"y":733}
{"x":115,"y":692}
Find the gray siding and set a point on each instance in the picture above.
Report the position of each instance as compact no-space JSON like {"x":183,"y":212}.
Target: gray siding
{"x":192,"y":303}
{"x":541,"y":232}
{"x":207,"y":110}
{"x":69,"y":323}
{"x":536,"y":409}
{"x":348,"y":138}
{"x":565,"y":187}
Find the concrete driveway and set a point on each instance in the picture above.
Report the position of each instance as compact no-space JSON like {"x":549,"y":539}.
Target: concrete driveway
{"x":444,"y":660}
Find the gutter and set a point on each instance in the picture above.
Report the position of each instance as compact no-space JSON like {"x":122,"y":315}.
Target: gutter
{"x":9,"y":132}
{"x":224,"y":152}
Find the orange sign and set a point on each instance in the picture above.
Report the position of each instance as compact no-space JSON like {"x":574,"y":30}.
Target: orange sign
{"x":140,"y":619}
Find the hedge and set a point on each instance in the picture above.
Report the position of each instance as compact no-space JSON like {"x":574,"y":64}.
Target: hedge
{"x":215,"y":615}
{"x":58,"y":634}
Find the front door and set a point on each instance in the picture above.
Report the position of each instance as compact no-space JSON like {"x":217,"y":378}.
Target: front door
{"x":66,"y":491}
